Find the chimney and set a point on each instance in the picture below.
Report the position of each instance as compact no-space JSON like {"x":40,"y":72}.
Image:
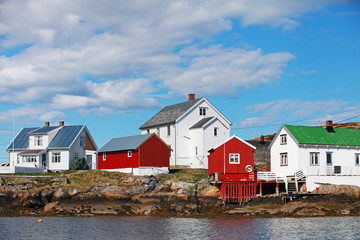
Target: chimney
{"x":47,"y":124}
{"x":191,"y":96}
{"x":61,"y":123}
{"x":329,"y":126}
{"x":262,"y":138}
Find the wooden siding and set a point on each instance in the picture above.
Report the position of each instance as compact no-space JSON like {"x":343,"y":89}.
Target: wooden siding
{"x":154,"y":153}
{"x":221,"y":154}
{"x":119,"y":159}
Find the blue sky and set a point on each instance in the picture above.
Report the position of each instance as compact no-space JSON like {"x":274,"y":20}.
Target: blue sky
{"x":114,"y":65}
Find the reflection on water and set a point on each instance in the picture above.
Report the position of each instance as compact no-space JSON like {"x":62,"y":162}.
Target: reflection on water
{"x":179,"y":228}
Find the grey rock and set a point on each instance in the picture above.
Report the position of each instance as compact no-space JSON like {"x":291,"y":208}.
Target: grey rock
{"x":61,"y":194}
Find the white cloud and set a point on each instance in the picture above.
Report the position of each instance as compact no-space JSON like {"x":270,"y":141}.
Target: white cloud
{"x":66,"y":42}
{"x":222,"y":71}
{"x":288,"y":111}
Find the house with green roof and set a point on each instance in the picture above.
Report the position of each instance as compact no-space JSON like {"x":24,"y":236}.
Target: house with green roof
{"x":322,"y":155}
{"x":191,"y":129}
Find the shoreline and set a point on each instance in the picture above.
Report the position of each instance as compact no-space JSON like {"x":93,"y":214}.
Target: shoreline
{"x":113,"y":194}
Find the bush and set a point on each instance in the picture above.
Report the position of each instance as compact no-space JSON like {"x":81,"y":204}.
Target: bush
{"x":80,"y":164}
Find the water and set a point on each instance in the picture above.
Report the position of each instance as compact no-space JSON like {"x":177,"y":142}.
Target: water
{"x":179,"y":228}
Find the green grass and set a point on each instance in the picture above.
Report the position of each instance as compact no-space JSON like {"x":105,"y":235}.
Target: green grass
{"x":190,"y":175}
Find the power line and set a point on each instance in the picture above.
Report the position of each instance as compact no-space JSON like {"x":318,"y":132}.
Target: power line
{"x":274,"y":124}
{"x":348,"y":118}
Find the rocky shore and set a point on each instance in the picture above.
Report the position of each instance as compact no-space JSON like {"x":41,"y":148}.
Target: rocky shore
{"x":168,"y":195}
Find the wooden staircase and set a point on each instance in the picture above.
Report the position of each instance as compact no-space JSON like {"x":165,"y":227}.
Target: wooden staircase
{"x":295,"y":182}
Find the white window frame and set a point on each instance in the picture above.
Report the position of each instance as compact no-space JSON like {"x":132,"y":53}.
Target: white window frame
{"x":104,"y":156}
{"x":129,"y":154}
{"x":38,"y":140}
{"x":284,"y":159}
{"x":357,"y":159}
{"x":283,"y":139}
{"x":56,"y":157}
{"x":314,"y":158}
{"x":202,"y":111}
{"x":216,"y":131}
{"x":234,"y":158}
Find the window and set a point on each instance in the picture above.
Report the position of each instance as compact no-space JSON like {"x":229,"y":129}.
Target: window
{"x":75,"y":155}
{"x":357,"y":159}
{"x":82,"y":141}
{"x":38,"y":141}
{"x":148,"y":131}
{"x":170,"y":151}
{"x":314,"y":158}
{"x":56,"y":158}
{"x":158,"y":131}
{"x":234,"y":158}
{"x":196,"y":151}
{"x":202,"y":111}
{"x":283,"y":159}
{"x":104,"y":156}
{"x":329,"y":159}
{"x":129,"y":153}
{"x":283,"y":139}
{"x":30,"y":158}
{"x":216,"y":131}
{"x":168,"y":130}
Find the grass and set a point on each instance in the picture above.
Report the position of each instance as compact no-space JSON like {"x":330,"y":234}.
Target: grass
{"x":87,"y":179}
{"x":190,"y":175}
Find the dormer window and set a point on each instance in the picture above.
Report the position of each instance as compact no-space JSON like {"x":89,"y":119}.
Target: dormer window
{"x":202,"y":111}
{"x":38,"y":141}
{"x":283,"y":139}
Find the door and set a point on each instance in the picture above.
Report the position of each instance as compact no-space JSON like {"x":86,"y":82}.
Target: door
{"x":329,"y":163}
{"x":43,"y":160}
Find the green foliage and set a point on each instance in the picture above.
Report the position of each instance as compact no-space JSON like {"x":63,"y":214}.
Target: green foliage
{"x":80,"y":164}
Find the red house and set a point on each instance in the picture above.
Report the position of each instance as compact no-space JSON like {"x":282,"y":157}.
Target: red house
{"x":140,"y":155}
{"x":232,"y":161}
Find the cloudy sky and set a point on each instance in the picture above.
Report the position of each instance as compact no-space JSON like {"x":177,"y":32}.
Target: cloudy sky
{"x":113,"y":64}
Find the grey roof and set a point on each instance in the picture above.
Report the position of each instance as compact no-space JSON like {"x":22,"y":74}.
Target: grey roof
{"x":21,"y":141}
{"x":201,"y":123}
{"x":124,"y":143}
{"x":43,"y":130}
{"x":170,"y":113}
{"x":65,"y":136}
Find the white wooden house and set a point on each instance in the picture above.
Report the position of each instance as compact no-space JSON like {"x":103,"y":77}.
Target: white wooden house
{"x":191,"y":129}
{"x":324,"y":155}
{"x":50,"y":148}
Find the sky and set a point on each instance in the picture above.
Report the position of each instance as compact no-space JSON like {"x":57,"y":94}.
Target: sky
{"x":112,"y":65}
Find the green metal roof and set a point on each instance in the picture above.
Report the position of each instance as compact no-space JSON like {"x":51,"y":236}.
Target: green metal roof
{"x":319,"y":135}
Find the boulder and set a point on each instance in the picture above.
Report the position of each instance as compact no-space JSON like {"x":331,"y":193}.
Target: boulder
{"x":73,"y":191}
{"x":50,"y":206}
{"x":210,"y":191}
{"x":46,"y":195}
{"x":61,"y":193}
{"x":181,"y":185}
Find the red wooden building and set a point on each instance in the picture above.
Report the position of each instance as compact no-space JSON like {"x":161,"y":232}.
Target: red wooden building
{"x":141,"y":155}
{"x":231,"y":164}
{"x":232,"y":160}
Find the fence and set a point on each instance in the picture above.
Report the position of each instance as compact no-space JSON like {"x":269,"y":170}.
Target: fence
{"x":238,"y":192}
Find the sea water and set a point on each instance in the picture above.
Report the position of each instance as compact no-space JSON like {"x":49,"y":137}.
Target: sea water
{"x":179,"y":228}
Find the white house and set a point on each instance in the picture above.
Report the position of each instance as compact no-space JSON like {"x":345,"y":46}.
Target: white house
{"x":191,"y":129}
{"x":325,"y":155}
{"x":50,"y":148}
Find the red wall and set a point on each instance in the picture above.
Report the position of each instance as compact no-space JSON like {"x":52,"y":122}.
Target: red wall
{"x":154,"y":153}
{"x":234,"y":145}
{"x":118,"y":159}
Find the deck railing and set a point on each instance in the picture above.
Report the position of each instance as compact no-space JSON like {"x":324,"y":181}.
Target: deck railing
{"x":269,"y":177}
{"x":333,"y":171}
